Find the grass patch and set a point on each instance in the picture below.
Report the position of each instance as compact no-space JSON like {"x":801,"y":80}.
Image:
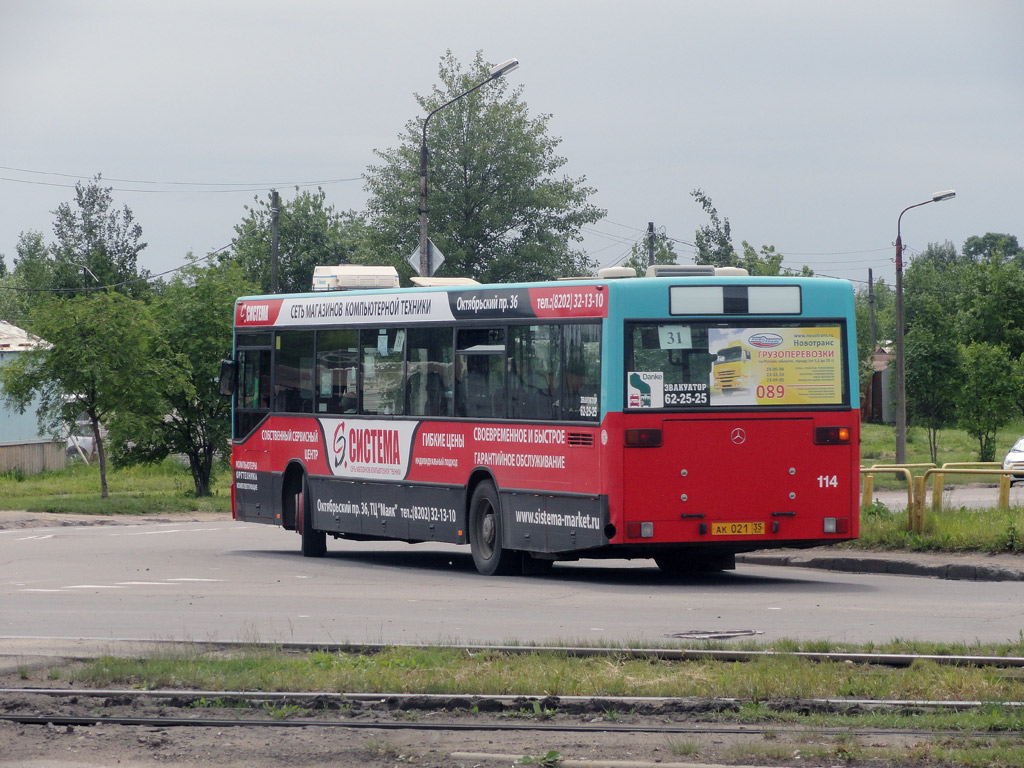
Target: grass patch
{"x":138,"y":490}
{"x":878,"y":446}
{"x":458,"y":671}
{"x":990,"y":531}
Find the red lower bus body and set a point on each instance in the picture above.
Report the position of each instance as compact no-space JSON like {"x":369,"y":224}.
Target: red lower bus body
{"x":697,"y":489}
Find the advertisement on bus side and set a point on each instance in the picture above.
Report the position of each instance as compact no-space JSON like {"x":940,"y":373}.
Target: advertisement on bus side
{"x":434,"y":306}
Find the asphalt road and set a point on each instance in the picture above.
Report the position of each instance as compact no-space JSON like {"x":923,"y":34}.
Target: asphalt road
{"x":973,"y":496}
{"x":227,"y":581}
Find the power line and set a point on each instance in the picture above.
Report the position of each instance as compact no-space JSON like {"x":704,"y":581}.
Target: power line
{"x":206,"y":185}
{"x":145,"y":279}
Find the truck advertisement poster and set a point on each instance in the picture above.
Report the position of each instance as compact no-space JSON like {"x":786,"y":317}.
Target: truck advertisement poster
{"x":749,"y":367}
{"x":776,"y":366}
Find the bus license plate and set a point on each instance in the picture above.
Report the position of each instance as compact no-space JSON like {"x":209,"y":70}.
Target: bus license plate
{"x":737,"y":529}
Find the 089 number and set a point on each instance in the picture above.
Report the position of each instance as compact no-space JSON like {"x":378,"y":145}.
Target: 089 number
{"x":771,"y":392}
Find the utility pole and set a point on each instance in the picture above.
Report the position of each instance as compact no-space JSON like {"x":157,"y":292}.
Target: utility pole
{"x":275,"y":210}
{"x":650,"y":243}
{"x":871,"y":311}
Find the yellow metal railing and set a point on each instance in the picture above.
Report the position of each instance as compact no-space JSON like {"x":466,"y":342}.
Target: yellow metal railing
{"x":917,"y":485}
{"x":867,"y":494}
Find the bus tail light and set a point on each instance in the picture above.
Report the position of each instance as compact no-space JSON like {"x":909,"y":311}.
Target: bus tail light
{"x":831,"y":435}
{"x":643,"y":438}
{"x":837,"y":525}
{"x":640,"y":530}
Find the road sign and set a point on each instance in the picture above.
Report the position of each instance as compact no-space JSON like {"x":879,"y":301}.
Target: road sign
{"x":436,"y":258}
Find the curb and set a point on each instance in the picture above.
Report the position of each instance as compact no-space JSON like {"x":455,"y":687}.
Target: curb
{"x":507,"y":759}
{"x":900,"y":567}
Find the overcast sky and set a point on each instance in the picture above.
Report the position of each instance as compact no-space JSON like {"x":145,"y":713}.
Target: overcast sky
{"x":810,"y":124}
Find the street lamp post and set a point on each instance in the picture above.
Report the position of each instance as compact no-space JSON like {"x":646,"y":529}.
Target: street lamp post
{"x":901,"y":383}
{"x":501,"y":69}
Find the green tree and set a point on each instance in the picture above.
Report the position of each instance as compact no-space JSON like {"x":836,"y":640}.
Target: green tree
{"x":993,"y":248}
{"x":639,"y":253}
{"x":990,"y":395}
{"x":195,"y":315}
{"x":714,"y":246}
{"x":884,"y":298}
{"x":28,"y":281}
{"x":311,"y":233}
{"x":714,"y":239}
{"x":499,"y":210}
{"x":932,"y":366}
{"x":880,"y":300}
{"x":97,"y":245}
{"x":103,"y":357}
{"x":990,"y":299}
{"x":768,"y":262}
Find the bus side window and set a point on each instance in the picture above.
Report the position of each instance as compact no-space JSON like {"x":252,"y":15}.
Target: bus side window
{"x":337,"y":366}
{"x":382,"y":358}
{"x":582,"y":372}
{"x":480,"y":373}
{"x":293,"y":372}
{"x":253,"y":391}
{"x":534,"y":362}
{"x":429,"y":368}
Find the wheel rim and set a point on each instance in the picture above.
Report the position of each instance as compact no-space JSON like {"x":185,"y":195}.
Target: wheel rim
{"x":488,"y":531}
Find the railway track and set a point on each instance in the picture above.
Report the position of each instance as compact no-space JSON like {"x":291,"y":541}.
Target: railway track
{"x":145,"y":722}
{"x":377,"y":711}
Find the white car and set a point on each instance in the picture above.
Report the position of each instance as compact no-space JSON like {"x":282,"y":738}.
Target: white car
{"x":1015,"y":460}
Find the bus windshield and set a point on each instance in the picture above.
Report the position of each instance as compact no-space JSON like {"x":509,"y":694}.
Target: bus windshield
{"x":686,"y":365}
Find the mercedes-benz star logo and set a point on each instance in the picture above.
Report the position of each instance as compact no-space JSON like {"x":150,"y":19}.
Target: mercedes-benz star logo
{"x":738,"y":436}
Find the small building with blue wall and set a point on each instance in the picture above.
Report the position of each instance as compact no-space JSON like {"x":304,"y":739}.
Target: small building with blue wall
{"x":22,"y":447}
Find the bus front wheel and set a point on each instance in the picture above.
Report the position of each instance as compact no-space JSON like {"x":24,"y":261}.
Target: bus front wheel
{"x":489,"y":556}
{"x":314,"y":542}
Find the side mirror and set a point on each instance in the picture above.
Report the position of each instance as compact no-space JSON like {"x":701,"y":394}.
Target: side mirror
{"x":228,"y":377}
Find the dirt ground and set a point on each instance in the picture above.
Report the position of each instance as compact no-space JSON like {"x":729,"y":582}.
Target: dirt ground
{"x":15,"y":519}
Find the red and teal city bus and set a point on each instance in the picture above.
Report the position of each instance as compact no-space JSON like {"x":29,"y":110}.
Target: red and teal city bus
{"x":552,"y":421}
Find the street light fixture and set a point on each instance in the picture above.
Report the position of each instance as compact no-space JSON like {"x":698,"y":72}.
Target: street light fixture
{"x":85,"y":283}
{"x":901,"y":384}
{"x":495,"y":72}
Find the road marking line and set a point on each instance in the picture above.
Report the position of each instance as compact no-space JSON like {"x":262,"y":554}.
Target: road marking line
{"x":91,"y":586}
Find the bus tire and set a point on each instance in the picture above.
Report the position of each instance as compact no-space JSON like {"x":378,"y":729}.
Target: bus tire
{"x":485,"y":526}
{"x":314,"y":542}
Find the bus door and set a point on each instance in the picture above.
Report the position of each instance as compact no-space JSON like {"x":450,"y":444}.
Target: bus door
{"x":252,"y":485}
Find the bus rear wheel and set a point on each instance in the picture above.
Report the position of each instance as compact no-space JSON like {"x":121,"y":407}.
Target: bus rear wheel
{"x":489,"y":556}
{"x":314,"y":542}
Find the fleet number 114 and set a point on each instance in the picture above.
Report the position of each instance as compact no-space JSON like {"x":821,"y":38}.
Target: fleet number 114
{"x":828,"y":481}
